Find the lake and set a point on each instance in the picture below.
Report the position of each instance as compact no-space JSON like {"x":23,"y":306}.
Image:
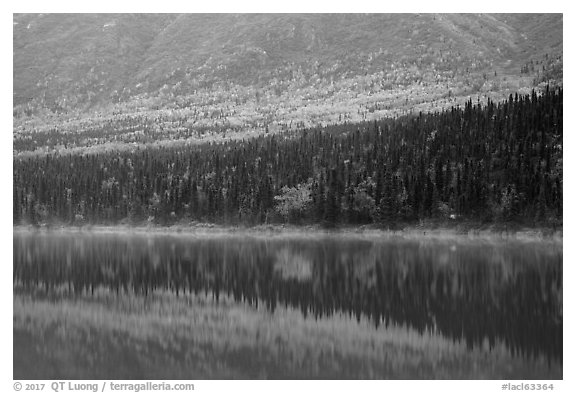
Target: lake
{"x":328,"y":306}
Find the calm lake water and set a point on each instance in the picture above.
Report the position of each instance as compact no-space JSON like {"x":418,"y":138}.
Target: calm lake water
{"x":90,"y":305}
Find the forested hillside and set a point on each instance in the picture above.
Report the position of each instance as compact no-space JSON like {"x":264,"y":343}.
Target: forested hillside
{"x":494,"y":162}
{"x":98,"y":82}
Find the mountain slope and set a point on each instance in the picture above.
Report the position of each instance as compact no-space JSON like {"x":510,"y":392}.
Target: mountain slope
{"x":59,"y":55}
{"x":104,"y":80}
{"x":94,"y":55}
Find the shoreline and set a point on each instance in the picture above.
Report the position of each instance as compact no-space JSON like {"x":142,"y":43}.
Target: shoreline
{"x":462,"y":231}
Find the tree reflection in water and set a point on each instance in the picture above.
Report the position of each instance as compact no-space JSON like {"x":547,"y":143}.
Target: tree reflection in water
{"x":476,"y":291}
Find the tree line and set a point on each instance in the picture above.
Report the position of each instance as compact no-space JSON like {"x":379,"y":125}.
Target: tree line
{"x":494,"y":162}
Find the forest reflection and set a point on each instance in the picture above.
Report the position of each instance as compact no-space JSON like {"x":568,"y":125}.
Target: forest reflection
{"x":478,"y":292}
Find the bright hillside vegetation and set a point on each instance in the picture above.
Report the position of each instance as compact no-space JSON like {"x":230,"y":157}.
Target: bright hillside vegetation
{"x":494,"y":162}
{"x":334,"y":119}
{"x":96,"y":82}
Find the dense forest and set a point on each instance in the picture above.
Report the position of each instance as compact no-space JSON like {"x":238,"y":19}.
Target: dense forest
{"x":493,"y":163}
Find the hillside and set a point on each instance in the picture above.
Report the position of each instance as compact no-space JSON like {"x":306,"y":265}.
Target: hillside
{"x":143,"y":78}
{"x":498,"y":163}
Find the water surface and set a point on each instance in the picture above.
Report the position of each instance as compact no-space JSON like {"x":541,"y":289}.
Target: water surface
{"x":286,"y":307}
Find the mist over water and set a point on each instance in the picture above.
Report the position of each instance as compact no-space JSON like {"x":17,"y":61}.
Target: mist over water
{"x":481,"y":293}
